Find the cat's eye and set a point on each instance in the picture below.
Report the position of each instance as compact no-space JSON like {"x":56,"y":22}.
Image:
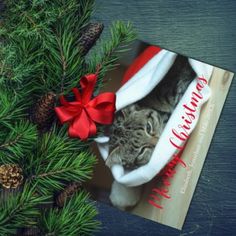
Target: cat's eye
{"x":149,"y":128}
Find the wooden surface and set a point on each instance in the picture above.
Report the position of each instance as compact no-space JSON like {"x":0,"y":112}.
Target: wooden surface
{"x":205,"y":30}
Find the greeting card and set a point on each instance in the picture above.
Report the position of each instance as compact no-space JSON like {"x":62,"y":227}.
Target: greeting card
{"x":167,"y":108}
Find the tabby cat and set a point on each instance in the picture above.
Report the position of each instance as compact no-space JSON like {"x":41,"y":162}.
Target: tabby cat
{"x":138,"y":127}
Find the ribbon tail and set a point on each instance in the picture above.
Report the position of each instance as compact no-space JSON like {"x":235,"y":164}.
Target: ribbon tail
{"x":79,"y":128}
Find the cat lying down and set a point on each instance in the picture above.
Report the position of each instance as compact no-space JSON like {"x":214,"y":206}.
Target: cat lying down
{"x":138,"y":127}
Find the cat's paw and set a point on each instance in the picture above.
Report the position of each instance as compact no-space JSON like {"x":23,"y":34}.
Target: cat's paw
{"x":123,"y":197}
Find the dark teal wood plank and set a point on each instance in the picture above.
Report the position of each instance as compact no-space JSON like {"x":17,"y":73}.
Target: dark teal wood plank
{"x":201,"y":29}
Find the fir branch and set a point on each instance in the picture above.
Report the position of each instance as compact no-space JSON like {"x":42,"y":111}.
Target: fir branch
{"x":19,"y":209}
{"x":64,"y":66}
{"x":18,"y":142}
{"x":20,"y":60}
{"x":63,"y":61}
{"x":75,"y":218}
{"x":10,"y":143}
{"x":85,"y":11}
{"x":77,"y":168}
{"x":29,"y":19}
{"x":109,"y":51}
{"x":24,"y":13}
{"x":10,"y":107}
{"x":58,"y":157}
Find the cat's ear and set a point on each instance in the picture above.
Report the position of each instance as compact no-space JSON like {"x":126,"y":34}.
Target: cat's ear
{"x":129,"y":110}
{"x":114,"y":157}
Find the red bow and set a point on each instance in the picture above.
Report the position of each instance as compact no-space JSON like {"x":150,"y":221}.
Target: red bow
{"x":84,"y":112}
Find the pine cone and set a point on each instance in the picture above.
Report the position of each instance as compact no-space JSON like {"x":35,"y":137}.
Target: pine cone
{"x":10,"y":176}
{"x":43,"y":113}
{"x":89,"y":37}
{"x":67,"y":193}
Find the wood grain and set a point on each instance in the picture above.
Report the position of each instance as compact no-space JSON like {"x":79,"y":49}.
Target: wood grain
{"x":205,"y":30}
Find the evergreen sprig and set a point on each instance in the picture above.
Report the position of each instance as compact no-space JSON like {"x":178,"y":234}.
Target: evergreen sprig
{"x":10,"y":109}
{"x":63,"y":62}
{"x":19,"y":209}
{"x":18,"y":142}
{"x":76,"y":217}
{"x":109,"y":51}
{"x":57,"y":158}
{"x":21,"y":59}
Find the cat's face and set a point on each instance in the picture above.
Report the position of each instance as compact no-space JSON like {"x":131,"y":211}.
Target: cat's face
{"x":133,"y":136}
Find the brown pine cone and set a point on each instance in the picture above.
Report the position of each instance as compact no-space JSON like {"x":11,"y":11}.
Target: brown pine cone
{"x":67,"y":193}
{"x":10,"y":176}
{"x":89,"y":37}
{"x":43,"y":112}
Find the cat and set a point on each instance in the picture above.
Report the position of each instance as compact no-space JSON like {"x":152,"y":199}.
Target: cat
{"x":138,"y":127}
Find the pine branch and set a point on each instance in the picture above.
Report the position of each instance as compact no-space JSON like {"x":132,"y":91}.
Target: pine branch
{"x":109,"y":51}
{"x":63,"y":61}
{"x":10,"y":107}
{"x":85,"y":11}
{"x":11,"y":143}
{"x":64,"y":66}
{"x":19,"y":209}
{"x":29,"y":19}
{"x":79,"y":168}
{"x":57,"y":158}
{"x":75,"y":218}
{"x":18,"y":142}
{"x":20,"y":60}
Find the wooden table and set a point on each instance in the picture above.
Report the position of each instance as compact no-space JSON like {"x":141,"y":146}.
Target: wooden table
{"x":205,"y":30}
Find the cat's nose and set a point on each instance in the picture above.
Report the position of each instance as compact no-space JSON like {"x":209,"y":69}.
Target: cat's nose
{"x":153,"y":141}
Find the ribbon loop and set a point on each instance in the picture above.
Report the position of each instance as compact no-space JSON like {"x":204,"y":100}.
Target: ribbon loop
{"x":84,"y":112}
{"x":87,"y":84}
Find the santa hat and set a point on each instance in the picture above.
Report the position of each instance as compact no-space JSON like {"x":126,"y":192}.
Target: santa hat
{"x":140,"y":79}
